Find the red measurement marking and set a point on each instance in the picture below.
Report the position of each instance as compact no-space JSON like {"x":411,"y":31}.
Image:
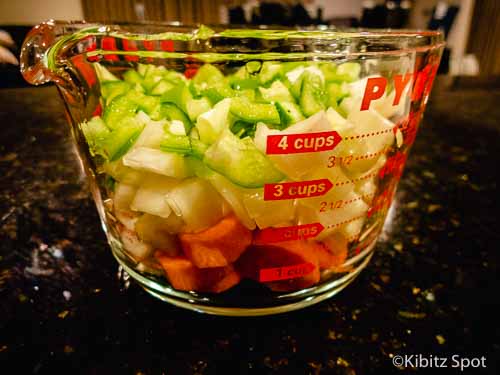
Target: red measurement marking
{"x":339,"y":160}
{"x":149,"y":44}
{"x":293,"y":190}
{"x":345,"y":222}
{"x":412,"y":126}
{"x":355,"y":180}
{"x":285,"y":273}
{"x":91,"y":46}
{"x":421,"y":80}
{"x":393,"y":166}
{"x":190,"y":72}
{"x":130,"y":45}
{"x":369,"y":156}
{"x":85,"y":69}
{"x":333,"y":205}
{"x":301,"y":143}
{"x":402,"y":124}
{"x":108,"y":43}
{"x":97,"y":110}
{"x":430,"y":79}
{"x":292,"y":233}
{"x":167,"y":45}
{"x":366,"y":135}
{"x":191,"y":67}
{"x":382,"y":201}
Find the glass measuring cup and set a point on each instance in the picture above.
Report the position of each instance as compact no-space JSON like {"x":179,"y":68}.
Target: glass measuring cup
{"x":239,"y":172}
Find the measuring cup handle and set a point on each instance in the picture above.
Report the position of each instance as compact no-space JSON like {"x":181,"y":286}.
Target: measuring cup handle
{"x":34,"y":50}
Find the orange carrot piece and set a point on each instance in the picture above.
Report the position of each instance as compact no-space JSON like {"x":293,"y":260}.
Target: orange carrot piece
{"x":231,"y":279}
{"x":218,"y":245}
{"x":184,"y":275}
{"x":180,"y":272}
{"x":326,"y":259}
{"x":337,"y":247}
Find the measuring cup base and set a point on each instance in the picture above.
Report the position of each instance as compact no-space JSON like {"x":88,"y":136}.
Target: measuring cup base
{"x":218,"y":305}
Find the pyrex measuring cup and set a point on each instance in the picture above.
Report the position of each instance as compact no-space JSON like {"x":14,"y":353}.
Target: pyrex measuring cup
{"x":239,"y":172}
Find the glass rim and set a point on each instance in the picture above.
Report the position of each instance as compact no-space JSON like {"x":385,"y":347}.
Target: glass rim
{"x":45,"y":43}
{"x":190,"y":32}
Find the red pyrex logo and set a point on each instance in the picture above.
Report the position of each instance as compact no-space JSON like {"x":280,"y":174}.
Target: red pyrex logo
{"x":376,"y":86}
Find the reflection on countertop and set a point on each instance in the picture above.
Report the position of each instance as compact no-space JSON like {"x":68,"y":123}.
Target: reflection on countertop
{"x":430,"y":288}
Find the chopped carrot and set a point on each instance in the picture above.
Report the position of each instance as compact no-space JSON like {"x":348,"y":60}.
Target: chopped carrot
{"x":231,"y":279}
{"x":180,"y":272}
{"x":294,"y":263}
{"x":326,"y":259}
{"x":184,"y":275}
{"x":337,"y":247}
{"x":218,"y":245}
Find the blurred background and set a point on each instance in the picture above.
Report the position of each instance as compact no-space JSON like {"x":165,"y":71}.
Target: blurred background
{"x":470,"y":26}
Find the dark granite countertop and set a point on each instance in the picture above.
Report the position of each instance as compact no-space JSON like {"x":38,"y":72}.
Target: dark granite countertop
{"x":431,"y":289}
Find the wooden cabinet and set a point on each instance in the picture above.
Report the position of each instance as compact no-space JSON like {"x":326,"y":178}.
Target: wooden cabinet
{"x":484,"y":39}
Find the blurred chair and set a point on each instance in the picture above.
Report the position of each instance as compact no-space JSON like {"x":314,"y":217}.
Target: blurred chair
{"x":11,"y":39}
{"x":6,"y":42}
{"x":392,"y":14}
{"x":443,"y":17}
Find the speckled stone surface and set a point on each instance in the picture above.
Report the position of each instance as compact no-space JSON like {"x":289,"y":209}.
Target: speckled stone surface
{"x":432,"y":287}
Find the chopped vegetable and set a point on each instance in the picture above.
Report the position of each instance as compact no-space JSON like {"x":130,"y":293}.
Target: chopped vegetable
{"x":312,"y":95}
{"x":207,"y":75}
{"x":245,"y":110}
{"x":150,"y":160}
{"x":183,"y":275}
{"x":211,"y":123}
{"x":119,"y":141}
{"x":240,"y":161}
{"x":268,"y":213}
{"x":269,"y":71}
{"x":234,"y":195}
{"x":95,"y":132}
{"x":277,"y":92}
{"x":133,"y":245}
{"x":197,"y":203}
{"x":160,"y":232}
{"x":171,"y":112}
{"x":183,"y":144}
{"x":127,"y":218}
{"x":152,"y":135}
{"x":334,"y":252}
{"x":218,"y":245}
{"x":124,"y":195}
{"x":194,"y":174}
{"x":151,"y":195}
{"x":103,"y":74}
{"x":123,"y":174}
{"x":113,"y":89}
{"x":294,"y":166}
